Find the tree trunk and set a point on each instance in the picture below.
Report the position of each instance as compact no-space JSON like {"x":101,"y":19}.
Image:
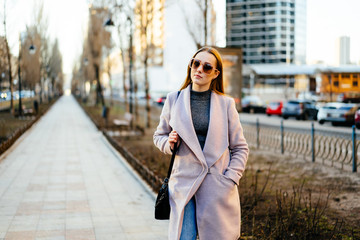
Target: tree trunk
{"x":10,"y":78}
{"x":148,"y":109}
{"x":136,"y":105}
{"x":99,"y":94}
{"x":124,"y":84}
{"x":111,"y":89}
{"x":205,"y":22}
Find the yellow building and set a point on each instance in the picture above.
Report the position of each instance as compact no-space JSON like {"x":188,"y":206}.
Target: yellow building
{"x":340,"y":82}
{"x":286,"y":81}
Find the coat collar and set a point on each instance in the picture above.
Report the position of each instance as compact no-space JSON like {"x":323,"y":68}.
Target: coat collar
{"x":216,"y":139}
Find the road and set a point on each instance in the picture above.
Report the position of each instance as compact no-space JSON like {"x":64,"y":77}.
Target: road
{"x":292,"y":122}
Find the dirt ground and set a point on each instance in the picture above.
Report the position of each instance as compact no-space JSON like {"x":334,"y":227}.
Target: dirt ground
{"x":343,"y":186}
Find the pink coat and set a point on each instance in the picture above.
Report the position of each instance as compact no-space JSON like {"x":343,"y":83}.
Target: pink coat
{"x":211,"y":175}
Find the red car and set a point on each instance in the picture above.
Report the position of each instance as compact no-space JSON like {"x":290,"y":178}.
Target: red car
{"x":161,"y":100}
{"x":274,"y":108}
{"x":357,"y":119}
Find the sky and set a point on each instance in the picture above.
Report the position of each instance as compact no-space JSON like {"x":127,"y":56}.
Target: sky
{"x":326,"y":21}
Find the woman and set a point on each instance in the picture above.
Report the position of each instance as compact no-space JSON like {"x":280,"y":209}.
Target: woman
{"x":211,"y":157}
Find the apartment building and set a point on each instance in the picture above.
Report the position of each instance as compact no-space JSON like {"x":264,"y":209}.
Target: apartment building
{"x":268,"y":31}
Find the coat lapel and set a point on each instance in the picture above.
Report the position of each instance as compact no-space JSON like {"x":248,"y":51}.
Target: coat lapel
{"x":217,"y":137}
{"x":181,"y":122}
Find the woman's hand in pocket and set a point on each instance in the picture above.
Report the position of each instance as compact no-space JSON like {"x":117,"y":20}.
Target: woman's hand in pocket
{"x":173,"y":138}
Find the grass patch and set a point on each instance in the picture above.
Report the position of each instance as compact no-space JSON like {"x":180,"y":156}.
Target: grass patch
{"x":9,"y":124}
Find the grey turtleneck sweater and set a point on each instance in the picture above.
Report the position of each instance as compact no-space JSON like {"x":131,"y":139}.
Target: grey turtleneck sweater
{"x":200,"y":112}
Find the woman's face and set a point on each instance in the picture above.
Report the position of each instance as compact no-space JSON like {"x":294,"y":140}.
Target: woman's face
{"x":201,"y":80}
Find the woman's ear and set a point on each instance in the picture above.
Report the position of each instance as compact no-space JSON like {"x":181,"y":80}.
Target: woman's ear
{"x":216,"y":74}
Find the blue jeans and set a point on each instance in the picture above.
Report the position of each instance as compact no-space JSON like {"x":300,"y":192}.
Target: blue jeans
{"x":189,"y":226}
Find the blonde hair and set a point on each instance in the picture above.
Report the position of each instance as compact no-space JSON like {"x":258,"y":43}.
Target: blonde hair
{"x":216,"y":84}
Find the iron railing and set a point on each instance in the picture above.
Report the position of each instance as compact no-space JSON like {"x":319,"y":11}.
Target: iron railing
{"x":331,"y":148}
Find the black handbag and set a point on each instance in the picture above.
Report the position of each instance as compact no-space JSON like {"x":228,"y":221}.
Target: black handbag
{"x":162,"y":204}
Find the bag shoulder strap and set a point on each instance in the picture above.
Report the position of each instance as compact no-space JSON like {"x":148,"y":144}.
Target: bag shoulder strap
{"x":174,"y":152}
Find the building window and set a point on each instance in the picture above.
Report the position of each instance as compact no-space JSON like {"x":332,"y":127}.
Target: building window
{"x":345,"y":75}
{"x":355,"y":83}
{"x":236,"y":15}
{"x":272,"y":28}
{"x":271,"y":5}
{"x":355,"y":76}
{"x":336,"y":83}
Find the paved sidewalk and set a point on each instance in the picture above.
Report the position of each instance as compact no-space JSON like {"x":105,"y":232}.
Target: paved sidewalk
{"x":63,"y":180}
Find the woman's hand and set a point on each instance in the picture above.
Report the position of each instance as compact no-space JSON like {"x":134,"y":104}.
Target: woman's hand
{"x":173,"y":138}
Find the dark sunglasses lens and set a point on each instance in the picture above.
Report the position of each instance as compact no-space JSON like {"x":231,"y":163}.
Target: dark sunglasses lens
{"x":196,"y":63}
{"x":207,"y":68}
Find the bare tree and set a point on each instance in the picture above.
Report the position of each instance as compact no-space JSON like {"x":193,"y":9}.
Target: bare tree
{"x":108,"y":65}
{"x":123,"y":13}
{"x":40,"y":23}
{"x":199,"y":23}
{"x":55,"y":70}
{"x":146,"y":11}
{"x":3,"y":60}
{"x":8,"y":54}
{"x":97,"y":37}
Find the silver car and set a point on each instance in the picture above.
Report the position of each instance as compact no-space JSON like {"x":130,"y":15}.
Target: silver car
{"x":325,"y":111}
{"x":337,"y":113}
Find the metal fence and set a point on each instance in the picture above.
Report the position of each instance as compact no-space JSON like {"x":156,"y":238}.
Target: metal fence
{"x":334,"y":149}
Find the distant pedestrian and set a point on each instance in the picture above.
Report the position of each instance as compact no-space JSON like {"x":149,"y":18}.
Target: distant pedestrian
{"x":212,"y":153}
{"x":36,"y":107}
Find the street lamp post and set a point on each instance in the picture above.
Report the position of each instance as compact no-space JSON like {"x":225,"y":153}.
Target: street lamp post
{"x":32,"y":50}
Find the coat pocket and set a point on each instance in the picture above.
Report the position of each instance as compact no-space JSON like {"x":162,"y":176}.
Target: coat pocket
{"x":227,"y":180}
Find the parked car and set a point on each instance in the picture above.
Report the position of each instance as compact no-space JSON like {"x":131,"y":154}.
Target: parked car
{"x":4,"y":96}
{"x":357,"y":119}
{"x":325,"y":111}
{"x":300,"y":109}
{"x":252,"y":104}
{"x":345,"y":114}
{"x":349,"y":97}
{"x":161,"y":100}
{"x":274,"y":108}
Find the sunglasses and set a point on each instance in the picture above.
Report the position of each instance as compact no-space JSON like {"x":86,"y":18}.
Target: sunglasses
{"x":207,"y":67}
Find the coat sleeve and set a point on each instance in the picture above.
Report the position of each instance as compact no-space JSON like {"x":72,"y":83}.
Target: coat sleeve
{"x":161,"y":134}
{"x":239,"y":150}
